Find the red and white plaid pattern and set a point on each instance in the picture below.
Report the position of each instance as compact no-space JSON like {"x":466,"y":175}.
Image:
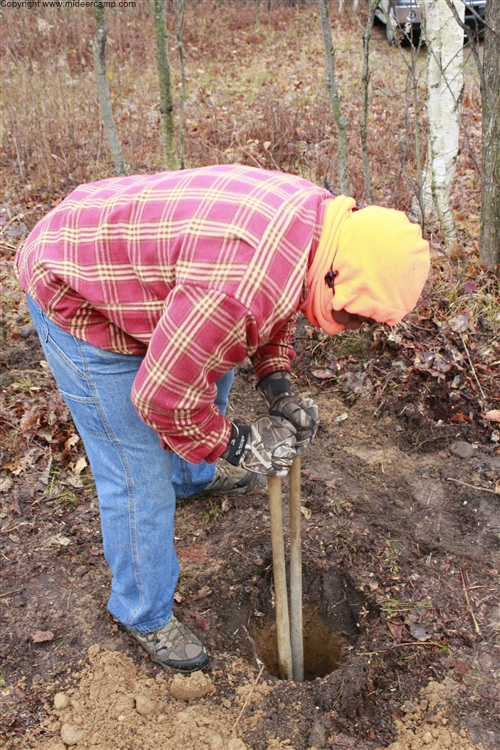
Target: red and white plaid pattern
{"x":196,"y":270}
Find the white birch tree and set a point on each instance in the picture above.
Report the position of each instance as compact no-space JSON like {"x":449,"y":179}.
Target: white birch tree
{"x":444,"y":39}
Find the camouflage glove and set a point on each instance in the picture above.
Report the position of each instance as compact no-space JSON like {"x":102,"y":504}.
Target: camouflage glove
{"x":301,"y":412}
{"x":266,"y":447}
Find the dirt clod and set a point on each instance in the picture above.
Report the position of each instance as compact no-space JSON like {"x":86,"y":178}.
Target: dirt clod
{"x":188,"y":688}
{"x":70,"y":734}
{"x":144,"y":705}
{"x":61,"y":700}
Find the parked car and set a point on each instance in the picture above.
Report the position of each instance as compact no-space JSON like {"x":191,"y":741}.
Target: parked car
{"x":405,"y":16}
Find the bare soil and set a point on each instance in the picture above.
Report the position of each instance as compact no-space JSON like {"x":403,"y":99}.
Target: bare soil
{"x":400,"y":552}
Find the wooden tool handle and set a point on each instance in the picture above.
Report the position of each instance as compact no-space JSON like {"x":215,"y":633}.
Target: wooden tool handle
{"x":279,"y":571}
{"x":296,"y":626}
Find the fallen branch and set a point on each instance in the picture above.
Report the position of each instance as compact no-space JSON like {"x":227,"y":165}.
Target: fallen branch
{"x":14,"y":218}
{"x":7,"y":245}
{"x":472,"y":486}
{"x":467,"y":599}
{"x":401,"y":645}
{"x":472,"y":368}
{"x":248,"y":697}
{"x":9,"y":593}
{"x":417,"y":643}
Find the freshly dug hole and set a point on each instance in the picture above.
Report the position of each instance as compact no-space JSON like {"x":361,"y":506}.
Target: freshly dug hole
{"x":330,"y":622}
{"x":323,"y":647}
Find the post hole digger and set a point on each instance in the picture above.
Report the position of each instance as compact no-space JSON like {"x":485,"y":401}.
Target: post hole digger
{"x":288,"y":628}
{"x":272,"y":446}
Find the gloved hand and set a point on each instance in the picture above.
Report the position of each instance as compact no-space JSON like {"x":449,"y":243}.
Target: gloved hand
{"x":266,"y":447}
{"x":301,"y":412}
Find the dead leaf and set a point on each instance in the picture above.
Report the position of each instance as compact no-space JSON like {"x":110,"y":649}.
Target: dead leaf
{"x":80,"y":465}
{"x":195,"y":553}
{"x":441,"y":364}
{"x":420,"y":633}
{"x":73,"y":481}
{"x":312,"y":475}
{"x":71,"y":441}
{"x":492,"y":416}
{"x":200,"y":621}
{"x":459,"y":417}
{"x":41,"y":636}
{"x":323,"y":374}
{"x":60,"y":540}
{"x":460,"y":323}
{"x":16,"y":467}
{"x":470,"y":287}
{"x":201,"y":594}
{"x":28,"y":419}
{"x":306,"y":512}
{"x":45,"y":435}
{"x":396,"y":629}
{"x":332,"y":483}
{"x":19,"y":695}
{"x":5,"y":484}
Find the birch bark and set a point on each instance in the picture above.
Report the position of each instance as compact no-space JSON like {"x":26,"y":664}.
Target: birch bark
{"x":444,"y":39}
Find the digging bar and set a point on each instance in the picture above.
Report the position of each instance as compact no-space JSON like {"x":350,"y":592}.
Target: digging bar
{"x":285,"y":666}
{"x":296,"y":627}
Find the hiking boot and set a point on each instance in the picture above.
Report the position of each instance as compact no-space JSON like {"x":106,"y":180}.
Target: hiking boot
{"x":229,"y":480}
{"x":173,"y":646}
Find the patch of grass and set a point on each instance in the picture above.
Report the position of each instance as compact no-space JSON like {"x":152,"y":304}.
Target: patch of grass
{"x":211,"y":515}
{"x":395,"y":606}
{"x":351,"y":344}
{"x":55,"y":490}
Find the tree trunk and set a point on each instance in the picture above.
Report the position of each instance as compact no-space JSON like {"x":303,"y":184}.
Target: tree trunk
{"x":444,"y":39}
{"x":179,"y":11}
{"x":363,"y":120}
{"x":490,"y":208}
{"x":334,"y":98}
{"x":99,"y":52}
{"x":163,"y":65}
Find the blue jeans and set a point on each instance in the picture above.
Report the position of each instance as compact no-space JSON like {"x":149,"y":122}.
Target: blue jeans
{"x":137,"y":481}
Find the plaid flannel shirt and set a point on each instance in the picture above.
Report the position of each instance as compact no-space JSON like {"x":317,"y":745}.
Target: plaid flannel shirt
{"x":195,"y":270}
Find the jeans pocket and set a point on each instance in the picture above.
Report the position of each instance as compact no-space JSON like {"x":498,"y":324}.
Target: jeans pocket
{"x":74,"y":386}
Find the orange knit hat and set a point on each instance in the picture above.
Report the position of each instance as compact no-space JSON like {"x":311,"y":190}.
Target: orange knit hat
{"x":379,"y":262}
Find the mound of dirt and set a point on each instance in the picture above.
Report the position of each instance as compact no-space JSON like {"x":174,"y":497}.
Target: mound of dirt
{"x":115,"y":706}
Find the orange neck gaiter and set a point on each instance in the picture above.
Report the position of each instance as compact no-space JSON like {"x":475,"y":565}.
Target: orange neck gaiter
{"x":318,"y":306}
